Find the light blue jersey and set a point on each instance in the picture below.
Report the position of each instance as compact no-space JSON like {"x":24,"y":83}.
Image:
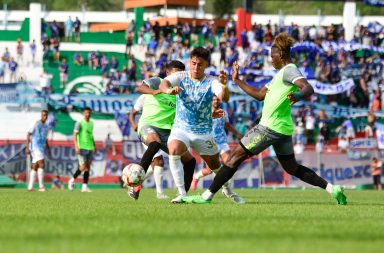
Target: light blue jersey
{"x":219,"y":130}
{"x":194,"y":103}
{"x":39,"y":132}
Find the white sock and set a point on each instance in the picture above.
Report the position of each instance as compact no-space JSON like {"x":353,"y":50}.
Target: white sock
{"x":329,"y":188}
{"x":84,"y":187}
{"x":199,"y":174}
{"x":149,"y":172}
{"x":32,"y":177}
{"x":158,"y":175}
{"x":40,"y":177}
{"x":177,"y":171}
{"x":207,"y":195}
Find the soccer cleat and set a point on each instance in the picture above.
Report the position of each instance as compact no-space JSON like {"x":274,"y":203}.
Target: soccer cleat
{"x":194,"y":183}
{"x":31,"y":189}
{"x":71,"y":184}
{"x":162,"y":196}
{"x":196,"y":199}
{"x":233,"y":196}
{"x":134,"y":192}
{"x":86,"y":189}
{"x":338,"y":194}
{"x":178,"y":199}
{"x":42,"y":189}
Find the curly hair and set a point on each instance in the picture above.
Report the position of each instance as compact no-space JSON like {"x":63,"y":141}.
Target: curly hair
{"x":284,"y":43}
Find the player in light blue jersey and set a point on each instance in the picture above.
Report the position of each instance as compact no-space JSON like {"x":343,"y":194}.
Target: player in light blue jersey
{"x":37,"y":147}
{"x":193,"y":121}
{"x":219,"y":126}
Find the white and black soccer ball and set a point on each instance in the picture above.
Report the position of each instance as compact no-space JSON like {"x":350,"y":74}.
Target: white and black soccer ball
{"x":133,"y":175}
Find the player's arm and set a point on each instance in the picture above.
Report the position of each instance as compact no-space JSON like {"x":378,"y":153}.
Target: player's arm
{"x":257,"y":93}
{"x":150,"y":86}
{"x":170,"y":84}
{"x":94,"y":144}
{"x":27,"y":144}
{"x":144,"y":89}
{"x":232,"y":129}
{"x":223,"y":78}
{"x":305,"y":90}
{"x":75,"y":134}
{"x":131,"y":118}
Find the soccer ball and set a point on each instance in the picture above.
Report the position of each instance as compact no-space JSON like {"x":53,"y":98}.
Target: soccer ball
{"x":133,"y":175}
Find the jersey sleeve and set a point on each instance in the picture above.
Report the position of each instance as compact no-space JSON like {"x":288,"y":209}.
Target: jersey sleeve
{"x":77,"y":127}
{"x":32,"y":128}
{"x":152,"y":83}
{"x":139,"y":103}
{"x":175,"y":78}
{"x":216,"y":87}
{"x":292,"y":74}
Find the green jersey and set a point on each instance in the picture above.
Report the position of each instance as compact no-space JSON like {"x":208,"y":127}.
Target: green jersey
{"x":85,"y":136}
{"x":276,"y":113}
{"x":157,"y":110}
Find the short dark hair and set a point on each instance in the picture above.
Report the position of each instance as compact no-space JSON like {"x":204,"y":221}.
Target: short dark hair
{"x":87,"y":109}
{"x":46,"y":111}
{"x":175,"y":65}
{"x":201,"y":52}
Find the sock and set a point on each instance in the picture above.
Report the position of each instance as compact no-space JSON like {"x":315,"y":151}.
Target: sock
{"x":189,"y":169}
{"x":158,"y":175}
{"x":148,"y":155}
{"x":149,"y":173}
{"x":177,"y":171}
{"x":85,"y":177}
{"x":329,"y":188}
{"x":207,"y":195}
{"x":226,"y":185}
{"x":199,"y":174}
{"x":40,"y":177}
{"x":32,"y":177}
{"x":77,"y":173}
{"x":310,"y":177}
{"x":222,"y":176}
{"x":84,"y":187}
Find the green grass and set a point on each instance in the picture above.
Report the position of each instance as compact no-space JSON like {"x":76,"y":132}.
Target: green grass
{"x":271,"y":221}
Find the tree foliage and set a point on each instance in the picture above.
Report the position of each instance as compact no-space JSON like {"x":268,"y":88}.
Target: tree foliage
{"x":223,"y":7}
{"x":68,"y":5}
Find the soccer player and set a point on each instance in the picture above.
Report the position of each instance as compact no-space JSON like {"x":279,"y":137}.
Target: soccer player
{"x":37,"y":145}
{"x":157,"y":166}
{"x":156,"y":122}
{"x":84,"y":147}
{"x":193,"y":120}
{"x":275,"y":127}
{"x":219,"y":125}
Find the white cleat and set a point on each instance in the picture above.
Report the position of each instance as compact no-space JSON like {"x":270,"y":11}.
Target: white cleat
{"x":233,"y":196}
{"x":71,"y":184}
{"x":86,"y":189}
{"x":178,"y":199}
{"x":162,"y":196}
{"x":42,"y":189}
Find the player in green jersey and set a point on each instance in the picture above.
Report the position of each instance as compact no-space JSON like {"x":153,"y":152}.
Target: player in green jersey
{"x":275,"y":127}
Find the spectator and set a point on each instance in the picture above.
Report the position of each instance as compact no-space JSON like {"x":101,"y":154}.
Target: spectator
{"x":45,"y":82}
{"x":309,"y":127}
{"x":12,"y":68}
{"x":350,"y":131}
{"x":68,"y":29}
{"x":114,"y":64}
{"x":343,"y":145}
{"x":298,"y":148}
{"x":128,"y":44}
{"x":63,"y":68}
{"x":77,"y":26}
{"x":2,"y":69}
{"x":19,"y":51}
{"x":78,"y":59}
{"x":241,"y":127}
{"x":109,"y":145}
{"x":32,"y":48}
{"x":6,"y":55}
{"x":56,"y":48}
{"x":51,"y":122}
{"x":376,"y":166}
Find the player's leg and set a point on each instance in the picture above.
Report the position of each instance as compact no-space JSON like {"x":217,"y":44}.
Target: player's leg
{"x":149,"y":137}
{"x":251,"y":144}
{"x":158,"y":170}
{"x":40,"y":175}
{"x":87,"y":169}
{"x":189,"y":164}
{"x":82,"y":160}
{"x":177,"y":146}
{"x":32,"y":175}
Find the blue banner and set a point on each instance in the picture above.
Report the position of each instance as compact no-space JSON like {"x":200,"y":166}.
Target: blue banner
{"x":9,"y":93}
{"x":378,"y":3}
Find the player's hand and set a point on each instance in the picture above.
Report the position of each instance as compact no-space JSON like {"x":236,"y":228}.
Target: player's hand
{"x":77,"y":151}
{"x":223,"y":77}
{"x":235,"y":71}
{"x":174,"y":91}
{"x":27,"y":151}
{"x":292,"y":98}
{"x":219,"y":113}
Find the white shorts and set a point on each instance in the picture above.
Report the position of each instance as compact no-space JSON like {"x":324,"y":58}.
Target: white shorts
{"x":158,"y":154}
{"x":37,"y":155}
{"x":223,"y":147}
{"x":204,"y":144}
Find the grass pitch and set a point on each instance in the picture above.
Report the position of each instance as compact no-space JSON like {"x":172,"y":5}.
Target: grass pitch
{"x":109,"y":221}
